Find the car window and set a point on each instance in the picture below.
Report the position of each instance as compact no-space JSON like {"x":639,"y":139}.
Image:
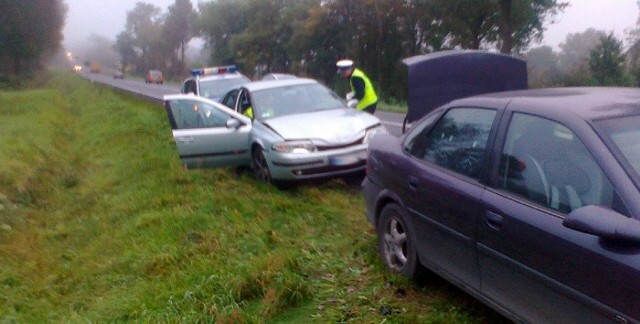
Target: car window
{"x":294,"y":99}
{"x":218,"y":87}
{"x":244,"y":102}
{"x":545,"y":162}
{"x":190,"y":114}
{"x":458,"y":140}
{"x":189,"y":86}
{"x":418,"y":134}
{"x":625,"y":134}
{"x":229,"y":99}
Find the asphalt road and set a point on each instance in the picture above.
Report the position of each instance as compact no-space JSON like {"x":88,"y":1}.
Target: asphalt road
{"x":155,"y":92}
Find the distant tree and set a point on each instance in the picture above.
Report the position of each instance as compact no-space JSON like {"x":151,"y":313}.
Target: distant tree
{"x":574,"y":55}
{"x":218,"y":22}
{"x":606,"y":62}
{"x":125,"y":46}
{"x":505,"y":24}
{"x":469,"y":23}
{"x":542,"y":67}
{"x":144,"y":25}
{"x":30,"y":32}
{"x":178,"y":30}
{"x":633,"y":53}
{"x":309,"y":36}
{"x":263,"y":45}
{"x":520,"y":22}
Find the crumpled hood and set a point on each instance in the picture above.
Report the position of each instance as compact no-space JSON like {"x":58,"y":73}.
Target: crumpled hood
{"x":336,"y":126}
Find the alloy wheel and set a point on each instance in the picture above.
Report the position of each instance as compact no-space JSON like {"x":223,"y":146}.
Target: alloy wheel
{"x":395,"y":244}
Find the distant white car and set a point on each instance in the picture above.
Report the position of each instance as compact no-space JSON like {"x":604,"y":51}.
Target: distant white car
{"x":300,"y":130}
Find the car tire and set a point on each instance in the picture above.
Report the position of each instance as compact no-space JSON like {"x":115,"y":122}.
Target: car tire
{"x":260,"y":166}
{"x":396,"y":243}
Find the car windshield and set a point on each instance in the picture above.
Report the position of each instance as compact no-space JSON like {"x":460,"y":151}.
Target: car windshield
{"x":625,"y":134}
{"x":217,"y":88}
{"x":294,"y":99}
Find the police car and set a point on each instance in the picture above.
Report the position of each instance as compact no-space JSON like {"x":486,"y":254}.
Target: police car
{"x":213,"y":82}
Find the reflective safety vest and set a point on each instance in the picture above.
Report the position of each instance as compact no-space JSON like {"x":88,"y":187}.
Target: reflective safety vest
{"x":370,"y":96}
{"x":248,"y":112}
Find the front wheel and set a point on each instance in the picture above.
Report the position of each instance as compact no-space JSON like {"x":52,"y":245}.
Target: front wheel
{"x":396,"y":243}
{"x":260,"y":166}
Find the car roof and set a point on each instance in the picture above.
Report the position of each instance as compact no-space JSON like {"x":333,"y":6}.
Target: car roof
{"x":278,"y":76}
{"x":223,"y":76}
{"x":270,"y":84}
{"x":589,"y":103}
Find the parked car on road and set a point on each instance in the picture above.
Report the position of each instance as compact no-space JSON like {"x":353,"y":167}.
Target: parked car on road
{"x":118,"y":75}
{"x":213,"y":82}
{"x":528,"y":200}
{"x":300,"y":130}
{"x":154,"y":76}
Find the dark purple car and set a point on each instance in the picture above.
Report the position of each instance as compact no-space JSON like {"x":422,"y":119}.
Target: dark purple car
{"x":528,"y":200}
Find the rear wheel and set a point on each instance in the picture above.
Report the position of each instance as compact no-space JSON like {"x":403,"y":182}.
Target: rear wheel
{"x":260,"y":166}
{"x":396,"y":243}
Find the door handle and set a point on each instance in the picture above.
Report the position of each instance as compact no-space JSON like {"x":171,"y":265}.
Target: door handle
{"x":184,"y":139}
{"x":494,"y":220}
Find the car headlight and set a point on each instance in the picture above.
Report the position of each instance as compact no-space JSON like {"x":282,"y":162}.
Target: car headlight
{"x":294,"y":147}
{"x":373,"y":132}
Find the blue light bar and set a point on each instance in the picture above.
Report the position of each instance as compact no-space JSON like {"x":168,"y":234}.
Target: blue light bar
{"x":214,"y":70}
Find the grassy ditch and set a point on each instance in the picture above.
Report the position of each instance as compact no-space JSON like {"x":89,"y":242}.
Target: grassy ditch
{"x":100,"y":222}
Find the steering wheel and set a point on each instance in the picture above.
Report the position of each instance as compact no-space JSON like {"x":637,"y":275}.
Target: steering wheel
{"x":535,"y":180}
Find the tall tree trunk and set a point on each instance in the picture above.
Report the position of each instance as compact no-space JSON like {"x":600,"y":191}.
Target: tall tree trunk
{"x":506,"y":26}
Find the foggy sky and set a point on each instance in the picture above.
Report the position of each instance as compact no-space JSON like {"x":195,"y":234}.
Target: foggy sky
{"x":107,"y":18}
{"x":101,"y":17}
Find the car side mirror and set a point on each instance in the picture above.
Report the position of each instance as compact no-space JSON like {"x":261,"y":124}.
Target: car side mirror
{"x":603,"y":222}
{"x":233,"y":123}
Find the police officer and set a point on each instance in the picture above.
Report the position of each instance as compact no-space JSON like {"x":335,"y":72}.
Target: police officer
{"x":361,"y":87}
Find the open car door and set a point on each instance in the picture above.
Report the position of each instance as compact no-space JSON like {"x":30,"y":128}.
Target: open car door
{"x":208,"y":134}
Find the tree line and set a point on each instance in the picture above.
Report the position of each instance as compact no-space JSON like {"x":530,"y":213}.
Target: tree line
{"x":155,"y":41}
{"x":307,"y":37}
{"x":591,"y":58}
{"x":310,"y":36}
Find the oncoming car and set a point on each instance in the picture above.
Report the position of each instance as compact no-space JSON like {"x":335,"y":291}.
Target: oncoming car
{"x":528,"y":200}
{"x":300,"y":129}
{"x":154,"y":76}
{"x":213,"y":82}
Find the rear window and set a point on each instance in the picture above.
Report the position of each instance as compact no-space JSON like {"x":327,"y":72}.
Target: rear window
{"x":218,"y":88}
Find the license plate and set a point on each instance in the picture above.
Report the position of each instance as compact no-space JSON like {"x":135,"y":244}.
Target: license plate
{"x":345,"y":160}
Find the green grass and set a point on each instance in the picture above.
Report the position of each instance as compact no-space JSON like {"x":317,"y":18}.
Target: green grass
{"x":99,"y":222}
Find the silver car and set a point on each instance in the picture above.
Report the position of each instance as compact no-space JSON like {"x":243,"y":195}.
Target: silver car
{"x":300,"y":130}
